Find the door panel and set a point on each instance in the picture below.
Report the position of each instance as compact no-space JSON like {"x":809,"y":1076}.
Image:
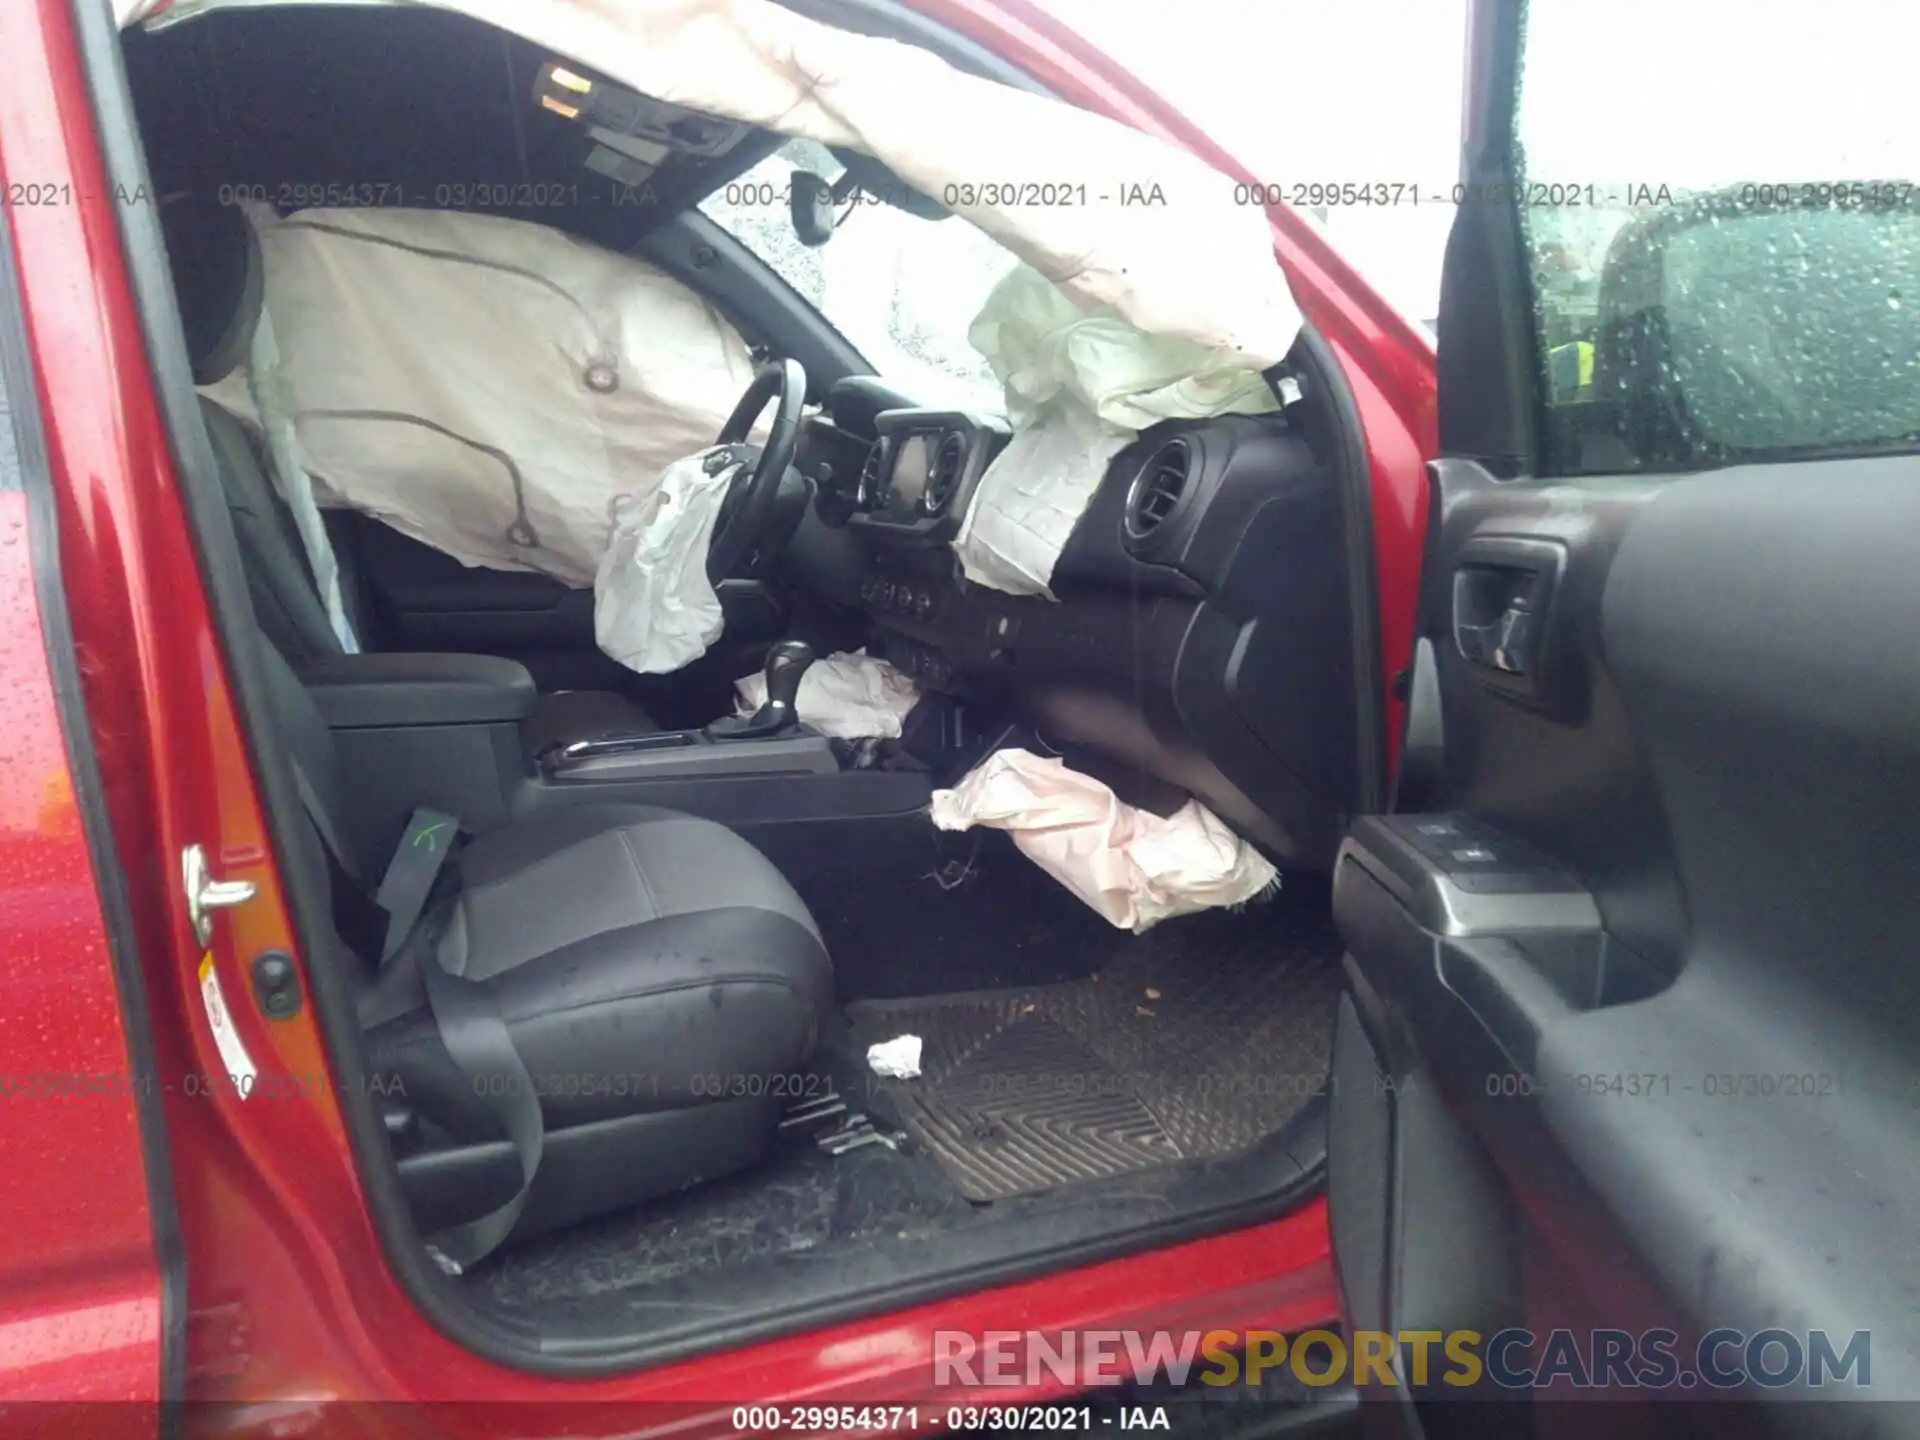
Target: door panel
{"x":1633,"y":1021}
{"x":1736,"y":793}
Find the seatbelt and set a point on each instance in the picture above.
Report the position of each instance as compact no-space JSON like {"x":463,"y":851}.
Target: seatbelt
{"x":476,"y":1039}
{"x":362,"y":924}
{"x":467,"y":1017}
{"x":415,"y":865}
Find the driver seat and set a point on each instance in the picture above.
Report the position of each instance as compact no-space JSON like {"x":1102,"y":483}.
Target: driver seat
{"x":220,"y":282}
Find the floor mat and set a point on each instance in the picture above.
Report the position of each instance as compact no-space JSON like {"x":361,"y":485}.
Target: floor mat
{"x":1196,"y":1040}
{"x":1258,"y":986}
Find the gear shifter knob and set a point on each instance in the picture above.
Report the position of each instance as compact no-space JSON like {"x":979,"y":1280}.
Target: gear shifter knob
{"x":787,"y":662}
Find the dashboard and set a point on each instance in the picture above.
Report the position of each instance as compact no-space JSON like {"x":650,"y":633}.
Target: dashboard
{"x":1200,"y":632}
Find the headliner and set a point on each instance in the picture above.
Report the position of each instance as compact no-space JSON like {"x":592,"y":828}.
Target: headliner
{"x":428,"y":104}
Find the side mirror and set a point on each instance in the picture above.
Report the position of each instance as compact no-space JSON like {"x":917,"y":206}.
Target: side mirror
{"x":810,"y":202}
{"x":1761,"y":318}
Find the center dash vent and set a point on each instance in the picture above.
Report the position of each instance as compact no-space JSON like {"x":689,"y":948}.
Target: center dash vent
{"x":946,"y":473}
{"x":1157,"y":490}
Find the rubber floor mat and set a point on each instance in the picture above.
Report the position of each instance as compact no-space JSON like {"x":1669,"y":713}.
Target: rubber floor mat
{"x":1197,"y":1039}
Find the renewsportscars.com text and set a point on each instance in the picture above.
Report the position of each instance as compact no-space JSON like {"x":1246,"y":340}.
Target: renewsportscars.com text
{"x":1508,"y":1360}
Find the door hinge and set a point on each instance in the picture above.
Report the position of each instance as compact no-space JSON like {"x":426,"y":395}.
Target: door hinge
{"x":206,"y":894}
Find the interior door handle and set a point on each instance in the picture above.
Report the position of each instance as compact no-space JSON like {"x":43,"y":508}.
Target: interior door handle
{"x":1503,"y":589}
{"x":1497,"y":616}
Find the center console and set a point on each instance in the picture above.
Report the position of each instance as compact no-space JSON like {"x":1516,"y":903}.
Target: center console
{"x":446,"y":731}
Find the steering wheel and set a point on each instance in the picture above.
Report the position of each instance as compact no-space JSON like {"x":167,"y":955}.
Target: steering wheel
{"x":750,"y":503}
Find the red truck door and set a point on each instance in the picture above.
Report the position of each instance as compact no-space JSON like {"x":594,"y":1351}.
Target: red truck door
{"x":88,"y":1308}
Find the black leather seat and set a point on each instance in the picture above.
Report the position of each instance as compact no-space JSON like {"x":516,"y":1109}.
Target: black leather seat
{"x":220,"y":281}
{"x":654,"y":972}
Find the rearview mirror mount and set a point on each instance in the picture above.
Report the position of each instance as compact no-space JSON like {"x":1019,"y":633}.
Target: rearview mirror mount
{"x":811,"y":204}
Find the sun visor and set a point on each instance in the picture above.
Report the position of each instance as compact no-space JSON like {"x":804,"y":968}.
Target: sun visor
{"x":1126,"y":224}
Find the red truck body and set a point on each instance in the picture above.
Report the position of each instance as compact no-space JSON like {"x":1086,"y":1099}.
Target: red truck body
{"x":255,"y":1271}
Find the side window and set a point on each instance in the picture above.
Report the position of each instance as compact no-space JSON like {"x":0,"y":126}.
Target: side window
{"x":1723,"y":229}
{"x":901,"y":289}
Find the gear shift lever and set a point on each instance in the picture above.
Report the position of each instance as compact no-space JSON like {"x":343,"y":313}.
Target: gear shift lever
{"x":787,"y":662}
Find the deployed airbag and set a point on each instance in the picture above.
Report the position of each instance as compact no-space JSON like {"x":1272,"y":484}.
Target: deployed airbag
{"x":1124,"y":222}
{"x":1132,"y":866}
{"x":1151,"y":290}
{"x":1079,"y":389}
{"x":654,"y":608}
{"x":491,"y":387}
{"x":847,"y":696}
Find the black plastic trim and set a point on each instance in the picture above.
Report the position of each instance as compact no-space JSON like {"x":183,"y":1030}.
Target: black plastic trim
{"x":89,"y":792}
{"x":1486,"y":357}
{"x":1316,"y":362}
{"x":439,"y":1299}
{"x":404,"y":688}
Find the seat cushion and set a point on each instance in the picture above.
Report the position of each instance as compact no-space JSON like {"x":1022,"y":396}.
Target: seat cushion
{"x":568,"y":715}
{"x":540,"y":885}
{"x":642,"y":959}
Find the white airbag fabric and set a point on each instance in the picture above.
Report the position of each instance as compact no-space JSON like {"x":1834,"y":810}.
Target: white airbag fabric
{"x":487,"y":386}
{"x":1132,"y":866}
{"x":277,"y":418}
{"x":1147,"y":232}
{"x":654,"y":608}
{"x":1168,"y":301}
{"x":848,"y":696}
{"x":1079,"y":390}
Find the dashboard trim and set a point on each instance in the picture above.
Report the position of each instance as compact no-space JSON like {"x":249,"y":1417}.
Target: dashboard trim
{"x":875,"y":509}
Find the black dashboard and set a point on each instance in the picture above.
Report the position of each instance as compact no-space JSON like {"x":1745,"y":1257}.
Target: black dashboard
{"x":1200,"y":628}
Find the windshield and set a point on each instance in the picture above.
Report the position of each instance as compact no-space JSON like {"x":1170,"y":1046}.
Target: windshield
{"x":901,"y":289}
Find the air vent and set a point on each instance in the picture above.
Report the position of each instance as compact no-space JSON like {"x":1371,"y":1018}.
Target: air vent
{"x":946,"y":473}
{"x":1157,"y":490}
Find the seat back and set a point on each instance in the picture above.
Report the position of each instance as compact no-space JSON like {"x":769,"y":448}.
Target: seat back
{"x":286,"y":601}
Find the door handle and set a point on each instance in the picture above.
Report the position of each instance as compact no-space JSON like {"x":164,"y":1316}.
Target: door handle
{"x":1497,"y":616}
{"x":1503,"y":592}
